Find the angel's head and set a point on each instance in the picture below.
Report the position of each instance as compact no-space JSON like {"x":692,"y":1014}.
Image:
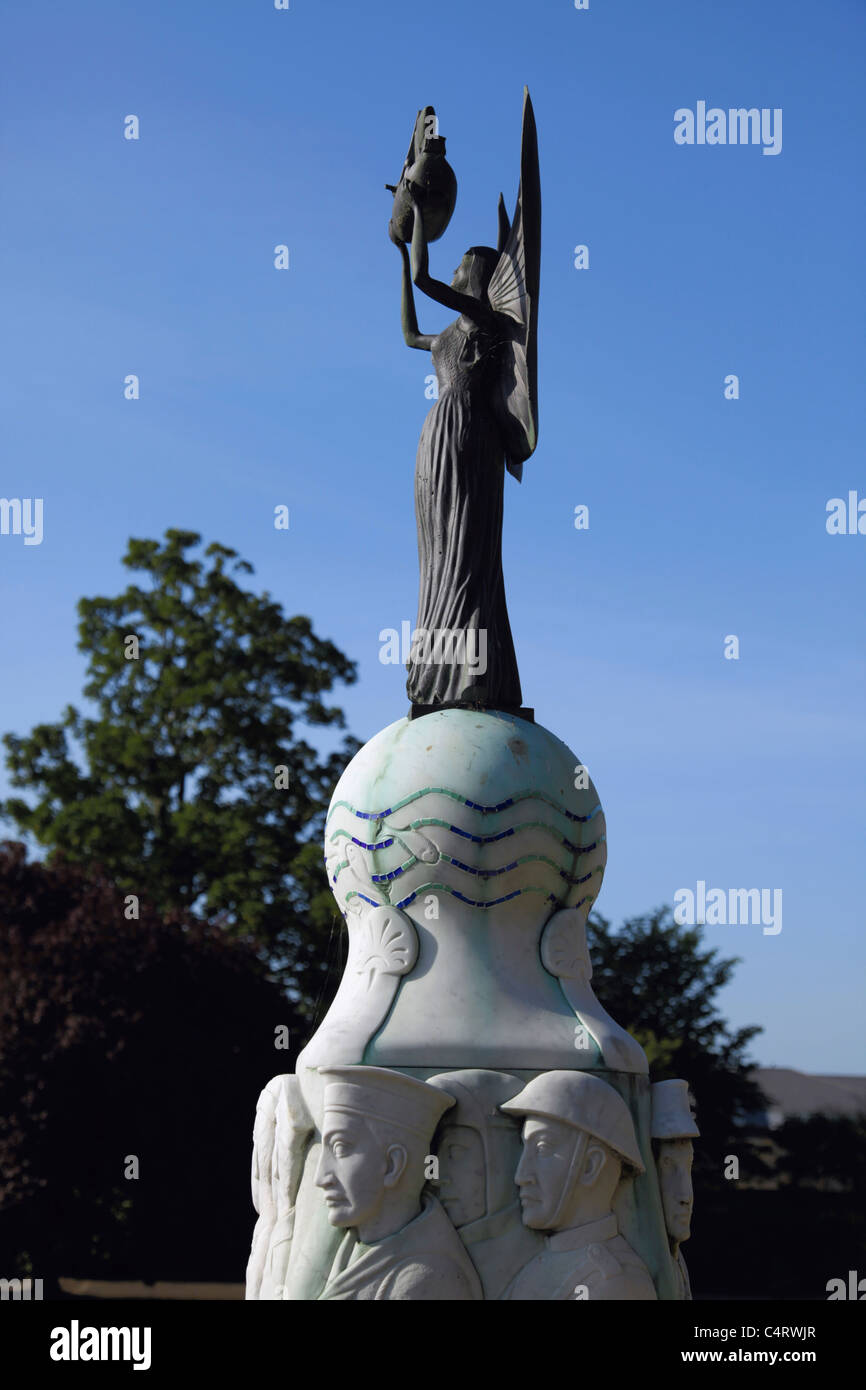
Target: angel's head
{"x":474,"y":272}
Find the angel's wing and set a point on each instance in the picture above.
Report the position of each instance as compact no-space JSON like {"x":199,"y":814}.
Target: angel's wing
{"x":513,"y":290}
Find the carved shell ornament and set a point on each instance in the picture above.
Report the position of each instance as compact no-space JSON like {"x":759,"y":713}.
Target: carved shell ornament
{"x":387,"y":944}
{"x":563,"y":946}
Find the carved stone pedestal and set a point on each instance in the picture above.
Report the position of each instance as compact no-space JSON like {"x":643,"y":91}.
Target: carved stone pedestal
{"x":468,"y":1122}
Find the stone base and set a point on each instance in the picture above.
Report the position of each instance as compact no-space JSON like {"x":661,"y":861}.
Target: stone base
{"x":402,"y":1160}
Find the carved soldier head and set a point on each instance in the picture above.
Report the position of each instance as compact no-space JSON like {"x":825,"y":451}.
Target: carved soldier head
{"x":673,"y":1129}
{"x":577,"y":1135}
{"x":478,"y":1147}
{"x":377,"y":1129}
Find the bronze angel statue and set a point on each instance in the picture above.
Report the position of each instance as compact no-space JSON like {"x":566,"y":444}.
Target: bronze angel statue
{"x":484,"y":420}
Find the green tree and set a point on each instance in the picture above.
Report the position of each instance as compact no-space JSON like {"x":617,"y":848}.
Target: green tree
{"x":659,"y":982}
{"x":190,"y":783}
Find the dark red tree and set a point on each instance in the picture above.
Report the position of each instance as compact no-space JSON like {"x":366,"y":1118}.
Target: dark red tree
{"x":120,"y":1037}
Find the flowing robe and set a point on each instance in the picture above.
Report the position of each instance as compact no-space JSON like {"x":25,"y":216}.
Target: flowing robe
{"x":459,"y":482}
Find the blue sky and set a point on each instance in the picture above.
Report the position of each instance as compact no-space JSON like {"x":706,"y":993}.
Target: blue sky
{"x":260,"y":387}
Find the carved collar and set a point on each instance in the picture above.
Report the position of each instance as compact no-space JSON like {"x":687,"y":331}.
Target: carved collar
{"x":593,"y":1232}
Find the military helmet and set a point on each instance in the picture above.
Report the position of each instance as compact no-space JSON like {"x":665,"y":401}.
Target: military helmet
{"x":584,"y":1101}
{"x":672,"y":1116}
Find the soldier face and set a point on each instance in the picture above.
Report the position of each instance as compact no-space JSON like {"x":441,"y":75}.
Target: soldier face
{"x":353,"y":1169}
{"x":548,"y":1149}
{"x":674,"y":1166}
{"x":462,"y":1183}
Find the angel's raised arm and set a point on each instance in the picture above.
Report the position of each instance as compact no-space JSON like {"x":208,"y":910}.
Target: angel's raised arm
{"x":408,"y":316}
{"x":467,"y":304}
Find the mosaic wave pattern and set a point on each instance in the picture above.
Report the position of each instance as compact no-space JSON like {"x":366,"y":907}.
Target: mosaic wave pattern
{"x":436,"y":841}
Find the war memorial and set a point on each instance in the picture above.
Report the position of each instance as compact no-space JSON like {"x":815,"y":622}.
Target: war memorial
{"x":469,"y":1122}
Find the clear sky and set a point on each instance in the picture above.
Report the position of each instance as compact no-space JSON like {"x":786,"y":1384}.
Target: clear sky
{"x":259,"y":387}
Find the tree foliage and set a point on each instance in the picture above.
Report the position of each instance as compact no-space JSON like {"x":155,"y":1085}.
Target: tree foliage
{"x":172,"y":783}
{"x":660,"y":983}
